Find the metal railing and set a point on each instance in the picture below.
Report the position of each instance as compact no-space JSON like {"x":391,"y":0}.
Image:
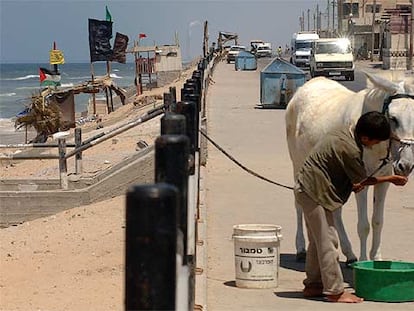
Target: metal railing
{"x":79,"y":146}
{"x":161,"y":218}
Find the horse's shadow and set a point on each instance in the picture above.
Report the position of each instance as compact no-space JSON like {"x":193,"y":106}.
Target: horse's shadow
{"x":288,"y":261}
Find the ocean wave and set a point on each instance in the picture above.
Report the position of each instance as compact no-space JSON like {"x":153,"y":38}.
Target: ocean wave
{"x":27,"y":77}
{"x":6,"y":125}
{"x":27,"y":87}
{"x":8,"y":94}
{"x":67,"y":85}
{"x":114,"y":75}
{"x":79,"y":78}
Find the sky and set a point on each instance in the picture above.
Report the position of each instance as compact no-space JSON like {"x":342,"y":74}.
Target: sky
{"x":28,"y":28}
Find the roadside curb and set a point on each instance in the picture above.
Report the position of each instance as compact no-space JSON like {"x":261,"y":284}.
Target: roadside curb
{"x":201,"y":247}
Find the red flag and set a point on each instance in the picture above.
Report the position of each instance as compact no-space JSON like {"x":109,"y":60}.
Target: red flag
{"x":142,"y":35}
{"x":42,"y":74}
{"x":48,"y":77}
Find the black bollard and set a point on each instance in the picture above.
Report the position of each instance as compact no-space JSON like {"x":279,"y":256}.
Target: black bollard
{"x":171,"y":166}
{"x":190,"y":88}
{"x":189,"y":110}
{"x":198,"y":74}
{"x":201,"y":65}
{"x":151,"y":247}
{"x":168,"y":101}
{"x":187,"y":90}
{"x":197,"y":78}
{"x":193,"y":82}
{"x":173,"y":123}
{"x":192,"y":97}
{"x":173,"y":92}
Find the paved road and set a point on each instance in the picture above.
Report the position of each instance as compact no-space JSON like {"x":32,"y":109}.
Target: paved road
{"x":256,"y":137}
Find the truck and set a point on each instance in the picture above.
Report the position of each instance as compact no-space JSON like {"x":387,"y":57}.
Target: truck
{"x":301,"y":45}
{"x":332,"y":57}
{"x":254,"y":44}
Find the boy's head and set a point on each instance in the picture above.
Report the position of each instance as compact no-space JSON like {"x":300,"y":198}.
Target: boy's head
{"x":372,"y":128}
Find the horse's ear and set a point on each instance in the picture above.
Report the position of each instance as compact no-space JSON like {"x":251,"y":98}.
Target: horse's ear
{"x":409,"y":85}
{"x":409,"y":88}
{"x":384,"y":84}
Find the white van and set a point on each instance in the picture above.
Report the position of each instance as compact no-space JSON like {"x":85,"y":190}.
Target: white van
{"x":332,"y":57}
{"x":301,"y":46}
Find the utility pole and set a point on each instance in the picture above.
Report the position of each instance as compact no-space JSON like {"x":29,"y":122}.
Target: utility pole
{"x":320,"y":22}
{"x":318,"y":26}
{"x":410,"y":55}
{"x":327,"y":26}
{"x":333,"y":16}
{"x":303,"y":21}
{"x":308,"y":19}
{"x":340,"y":15}
{"x":374,"y":8}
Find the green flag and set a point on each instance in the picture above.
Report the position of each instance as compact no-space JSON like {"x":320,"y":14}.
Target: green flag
{"x":108,"y":14}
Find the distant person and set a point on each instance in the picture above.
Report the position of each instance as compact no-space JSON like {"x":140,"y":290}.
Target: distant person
{"x":329,"y":174}
{"x":279,"y":51}
{"x":363,"y":52}
{"x":287,"y":51}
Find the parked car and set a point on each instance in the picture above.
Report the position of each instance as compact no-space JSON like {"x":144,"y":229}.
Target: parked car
{"x":234,"y":51}
{"x":263,"y":51}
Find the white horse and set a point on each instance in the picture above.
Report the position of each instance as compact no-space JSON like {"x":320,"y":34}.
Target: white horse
{"x":322,"y":105}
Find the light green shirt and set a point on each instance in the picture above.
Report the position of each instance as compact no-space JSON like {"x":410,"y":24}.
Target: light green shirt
{"x":332,"y":166}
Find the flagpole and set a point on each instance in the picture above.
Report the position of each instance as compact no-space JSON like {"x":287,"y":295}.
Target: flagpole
{"x":136,"y":66}
{"x":93,"y":91}
{"x":55,"y":66}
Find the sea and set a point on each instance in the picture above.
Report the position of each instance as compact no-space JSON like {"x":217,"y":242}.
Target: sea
{"x":18,"y":82}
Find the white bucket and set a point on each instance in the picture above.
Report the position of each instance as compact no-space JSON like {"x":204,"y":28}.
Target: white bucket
{"x":256,"y":251}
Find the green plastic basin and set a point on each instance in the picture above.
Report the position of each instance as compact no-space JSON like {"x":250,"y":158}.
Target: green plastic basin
{"x":388,"y":281}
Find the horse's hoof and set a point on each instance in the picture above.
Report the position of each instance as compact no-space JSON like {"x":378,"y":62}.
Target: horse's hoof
{"x":301,"y":257}
{"x":349,"y":262}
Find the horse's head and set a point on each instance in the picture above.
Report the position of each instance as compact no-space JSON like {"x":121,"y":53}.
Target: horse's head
{"x":398,"y":106}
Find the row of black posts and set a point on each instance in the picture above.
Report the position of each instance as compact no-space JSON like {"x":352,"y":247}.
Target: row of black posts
{"x":161,"y":217}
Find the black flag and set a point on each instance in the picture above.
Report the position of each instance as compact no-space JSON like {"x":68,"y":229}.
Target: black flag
{"x":100,"y":32}
{"x":120,"y":45}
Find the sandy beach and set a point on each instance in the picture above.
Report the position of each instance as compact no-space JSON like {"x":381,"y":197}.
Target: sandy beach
{"x":74,"y":260}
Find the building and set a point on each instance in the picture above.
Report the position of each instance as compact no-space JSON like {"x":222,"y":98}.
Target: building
{"x":159,"y":65}
{"x":381,"y":27}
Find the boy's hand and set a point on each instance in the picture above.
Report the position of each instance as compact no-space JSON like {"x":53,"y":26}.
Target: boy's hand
{"x":357,"y":188}
{"x":398,"y":180}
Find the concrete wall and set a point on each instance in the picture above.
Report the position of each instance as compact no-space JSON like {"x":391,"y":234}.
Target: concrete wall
{"x":166,"y":77}
{"x":168,"y":58}
{"x":20,"y":206}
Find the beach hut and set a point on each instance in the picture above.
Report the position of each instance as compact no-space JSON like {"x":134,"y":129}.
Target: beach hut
{"x":278,"y":82}
{"x":245,"y":61}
